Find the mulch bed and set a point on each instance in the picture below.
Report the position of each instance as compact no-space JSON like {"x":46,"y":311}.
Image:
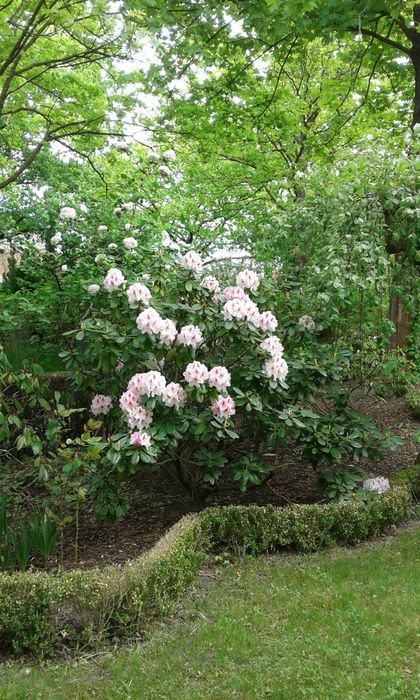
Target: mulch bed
{"x":160,"y":502}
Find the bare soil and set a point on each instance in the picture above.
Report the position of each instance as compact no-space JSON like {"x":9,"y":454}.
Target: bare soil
{"x":159,"y":502}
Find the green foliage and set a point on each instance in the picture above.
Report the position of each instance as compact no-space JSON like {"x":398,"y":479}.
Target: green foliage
{"x":257,"y":530}
{"x":408,"y":478}
{"x":413,"y":400}
{"x":341,"y":485}
{"x":88,"y":607}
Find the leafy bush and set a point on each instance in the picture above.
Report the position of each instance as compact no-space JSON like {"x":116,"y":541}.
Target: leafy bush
{"x":409,"y":478}
{"x":200,"y":373}
{"x":42,"y":612}
{"x":413,"y":400}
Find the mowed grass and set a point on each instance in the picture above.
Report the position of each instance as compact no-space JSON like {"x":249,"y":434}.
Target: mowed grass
{"x":340,"y":625}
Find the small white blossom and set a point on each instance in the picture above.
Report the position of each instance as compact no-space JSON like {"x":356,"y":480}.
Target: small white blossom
{"x":102,"y":228}
{"x":68,"y":213}
{"x":378,"y":484}
{"x":169,"y":155}
{"x":93,"y":289}
{"x":276,"y":368}
{"x":130,"y":243}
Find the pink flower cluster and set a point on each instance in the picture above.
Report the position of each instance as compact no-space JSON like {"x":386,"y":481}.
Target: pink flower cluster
{"x":138,"y":293}
{"x":210,"y":283}
{"x":101,"y":405}
{"x":234,"y":293}
{"x":139,"y":417}
{"x":147,"y":384}
{"x":174,"y":395}
{"x":248,"y":279}
{"x":190,"y":336}
{"x":223,"y":407}
{"x":272,"y":345}
{"x":306,"y":323}
{"x":167,"y":331}
{"x":149,"y":321}
{"x":196,"y":374}
{"x":219,"y":378}
{"x":276,"y":368}
{"x":378,"y":484}
{"x":192,"y":261}
{"x":114,"y":279}
{"x":140,"y":440}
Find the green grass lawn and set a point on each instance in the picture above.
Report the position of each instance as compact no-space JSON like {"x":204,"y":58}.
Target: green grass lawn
{"x":342,"y":625}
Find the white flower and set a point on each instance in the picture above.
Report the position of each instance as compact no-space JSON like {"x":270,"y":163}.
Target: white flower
{"x":127,"y":227}
{"x":272,"y":345}
{"x":129,"y":400}
{"x":224,"y":407}
{"x":276,"y":368}
{"x":154,"y":384}
{"x":117,"y":211}
{"x":139,"y":417}
{"x":378,"y":484}
{"x":210,"y":283}
{"x":64,"y":268}
{"x":247,"y":279}
{"x":153,"y":157}
{"x":190,"y":336}
{"x":140,"y":439}
{"x":266,"y":321}
{"x":113,"y":279}
{"x":174,"y":395}
{"x":307,"y":323}
{"x":149,"y":321}
{"x":169,"y":155}
{"x":93,"y":289}
{"x":101,"y":405}
{"x":130,"y":243}
{"x":128,"y":206}
{"x":233,"y":293}
{"x":67,"y":213}
{"x":56,"y":239}
{"x":192,"y":261}
{"x":195,"y":373}
{"x":219,"y":378}
{"x":234,"y":309}
{"x":138,"y":293}
{"x":112,"y":246}
{"x":102,"y":228}
{"x":167,"y":331}
{"x":164,"y":170}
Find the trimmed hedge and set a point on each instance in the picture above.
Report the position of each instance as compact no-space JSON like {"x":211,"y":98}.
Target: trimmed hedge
{"x":40,"y":612}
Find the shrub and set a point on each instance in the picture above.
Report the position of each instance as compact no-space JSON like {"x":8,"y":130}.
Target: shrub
{"x":257,"y":530}
{"x":409,"y":478}
{"x":187,"y":371}
{"x":41,"y":612}
{"x":413,"y":400}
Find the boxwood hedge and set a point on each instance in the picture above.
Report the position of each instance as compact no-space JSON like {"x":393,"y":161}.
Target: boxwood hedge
{"x":42,"y":612}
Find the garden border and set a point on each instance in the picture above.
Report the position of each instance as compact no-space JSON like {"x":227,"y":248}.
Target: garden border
{"x":41,"y":612}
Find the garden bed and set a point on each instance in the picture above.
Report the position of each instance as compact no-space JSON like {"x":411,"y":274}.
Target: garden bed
{"x":160,"y":501}
{"x":40,"y":612}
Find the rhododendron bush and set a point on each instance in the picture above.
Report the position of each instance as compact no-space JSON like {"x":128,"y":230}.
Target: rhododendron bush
{"x":181,"y":361}
{"x":194,"y":370}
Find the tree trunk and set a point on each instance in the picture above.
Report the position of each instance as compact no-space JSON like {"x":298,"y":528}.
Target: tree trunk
{"x":415,"y":57}
{"x":398,"y":314}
